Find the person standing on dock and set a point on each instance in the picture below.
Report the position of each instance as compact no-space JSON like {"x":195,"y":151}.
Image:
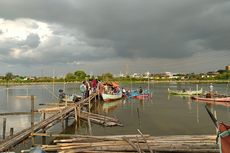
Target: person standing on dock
{"x":87,"y":88}
{"x":94,"y":85}
{"x":83,"y":90}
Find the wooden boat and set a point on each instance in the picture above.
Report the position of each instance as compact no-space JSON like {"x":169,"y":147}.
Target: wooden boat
{"x":71,"y":98}
{"x":212,"y":99}
{"x":135,"y":94}
{"x":185,"y":92}
{"x":111,"y":97}
{"x":111,"y":91}
{"x":142,"y":96}
{"x":223,"y":136}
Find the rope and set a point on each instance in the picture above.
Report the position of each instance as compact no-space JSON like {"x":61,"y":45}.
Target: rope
{"x":50,"y":92}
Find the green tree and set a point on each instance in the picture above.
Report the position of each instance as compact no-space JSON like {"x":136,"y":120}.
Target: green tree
{"x":70,"y":77}
{"x":80,"y":75}
{"x":107,"y":76}
{"x":9,"y":76}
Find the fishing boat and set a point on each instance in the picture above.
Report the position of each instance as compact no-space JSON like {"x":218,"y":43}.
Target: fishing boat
{"x":71,"y":98}
{"x":111,"y":91}
{"x":211,"y":99}
{"x":111,"y":96}
{"x":185,"y":92}
{"x":143,"y":95}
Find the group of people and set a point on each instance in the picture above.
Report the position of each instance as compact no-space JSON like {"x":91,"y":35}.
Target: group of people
{"x":110,"y":89}
{"x":88,"y":87}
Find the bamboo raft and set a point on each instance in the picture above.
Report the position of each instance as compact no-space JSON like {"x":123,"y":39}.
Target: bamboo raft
{"x":135,"y":143}
{"x":100,"y":119}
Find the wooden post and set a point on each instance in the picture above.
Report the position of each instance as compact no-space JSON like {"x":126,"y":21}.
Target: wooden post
{"x":79,"y":114}
{"x":62,"y":121}
{"x":43,"y":118}
{"x":139,"y":120}
{"x":89,"y":105}
{"x":66,"y":122}
{"x":89,"y":124}
{"x":76,"y":112}
{"x":32,"y":118}
{"x":4,"y":129}
{"x":65,"y":100}
{"x":11,"y":131}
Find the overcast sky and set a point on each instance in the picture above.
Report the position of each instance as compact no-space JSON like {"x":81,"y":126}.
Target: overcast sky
{"x":46,"y":37}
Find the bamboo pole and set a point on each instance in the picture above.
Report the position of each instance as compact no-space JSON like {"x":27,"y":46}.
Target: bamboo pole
{"x":4,"y":129}
{"x":11,"y":131}
{"x":89,"y":125}
{"x":75,"y":110}
{"x":131,"y":144}
{"x":145,"y":140}
{"x":32,"y":118}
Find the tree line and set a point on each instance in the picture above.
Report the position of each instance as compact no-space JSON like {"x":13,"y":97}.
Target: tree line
{"x":81,"y":75}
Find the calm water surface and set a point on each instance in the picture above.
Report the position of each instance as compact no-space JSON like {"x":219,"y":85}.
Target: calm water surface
{"x":162,"y":114}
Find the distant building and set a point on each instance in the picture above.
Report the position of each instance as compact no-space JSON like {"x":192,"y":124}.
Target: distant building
{"x":227,"y":67}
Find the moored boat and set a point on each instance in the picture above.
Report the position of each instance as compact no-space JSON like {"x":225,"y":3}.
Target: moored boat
{"x":142,"y":96}
{"x":111,"y":91}
{"x":211,"y":99}
{"x":111,"y":97}
{"x":71,"y":98}
{"x":185,"y":92}
{"x":136,"y":94}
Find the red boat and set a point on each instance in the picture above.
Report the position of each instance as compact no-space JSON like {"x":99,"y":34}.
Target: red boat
{"x":212,"y":99}
{"x":223,"y":136}
{"x":142,"y":96}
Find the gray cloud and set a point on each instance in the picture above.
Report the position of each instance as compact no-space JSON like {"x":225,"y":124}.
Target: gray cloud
{"x":137,"y":28}
{"x":168,"y":29}
{"x":32,"y":40}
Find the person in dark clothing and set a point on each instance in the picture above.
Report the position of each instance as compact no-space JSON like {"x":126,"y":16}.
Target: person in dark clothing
{"x":61,"y":95}
{"x":140,"y":90}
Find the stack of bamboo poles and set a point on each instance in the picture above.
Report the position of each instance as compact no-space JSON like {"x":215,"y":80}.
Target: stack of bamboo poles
{"x":135,"y":143}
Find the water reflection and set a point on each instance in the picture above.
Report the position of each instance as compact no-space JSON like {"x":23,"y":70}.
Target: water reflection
{"x":111,"y":106}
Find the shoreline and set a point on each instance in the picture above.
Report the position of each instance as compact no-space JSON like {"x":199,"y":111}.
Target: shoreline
{"x":128,"y":81}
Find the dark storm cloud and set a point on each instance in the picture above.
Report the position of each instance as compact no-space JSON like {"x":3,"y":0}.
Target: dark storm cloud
{"x":32,"y":40}
{"x":135,"y":28}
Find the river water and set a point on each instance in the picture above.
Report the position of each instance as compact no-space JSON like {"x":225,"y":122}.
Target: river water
{"x":162,"y":114}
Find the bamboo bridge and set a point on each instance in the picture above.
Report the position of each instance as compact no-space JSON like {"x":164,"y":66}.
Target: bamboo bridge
{"x":60,"y":114}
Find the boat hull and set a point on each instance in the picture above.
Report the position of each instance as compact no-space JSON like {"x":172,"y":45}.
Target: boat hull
{"x":111,"y":97}
{"x":142,"y":96}
{"x":217,"y":99}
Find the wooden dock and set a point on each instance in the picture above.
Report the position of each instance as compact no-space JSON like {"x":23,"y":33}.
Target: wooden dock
{"x":59,"y":114}
{"x":135,"y":143}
